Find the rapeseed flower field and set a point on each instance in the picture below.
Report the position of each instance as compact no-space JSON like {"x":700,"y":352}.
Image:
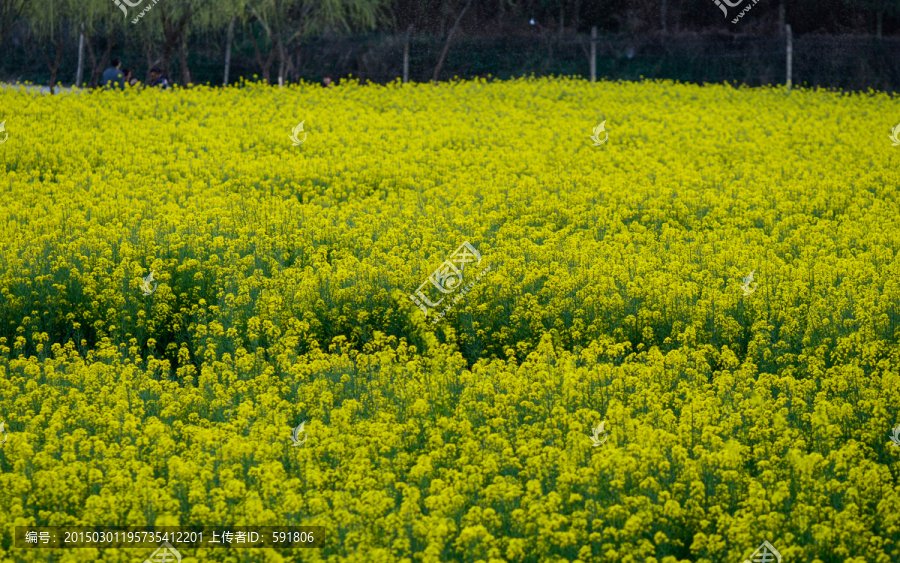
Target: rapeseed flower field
{"x":611,"y":292}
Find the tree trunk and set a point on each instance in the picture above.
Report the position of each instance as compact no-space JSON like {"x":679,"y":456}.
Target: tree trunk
{"x":406,"y":54}
{"x":263,"y":65}
{"x":79,"y":73}
{"x":168,"y":48}
{"x":174,"y":37}
{"x":437,"y":69}
{"x":93,"y":60}
{"x":182,"y":58}
{"x":99,"y":68}
{"x":279,"y":49}
{"x":54,"y":66}
{"x":789,"y":59}
{"x":289,"y":70}
{"x":228,"y":51}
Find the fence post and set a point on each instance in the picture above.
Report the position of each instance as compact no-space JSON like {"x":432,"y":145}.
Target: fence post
{"x":790,"y":53}
{"x":593,"y":53}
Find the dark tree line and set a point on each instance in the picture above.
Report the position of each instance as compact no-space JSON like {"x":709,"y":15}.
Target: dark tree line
{"x":166,"y":29}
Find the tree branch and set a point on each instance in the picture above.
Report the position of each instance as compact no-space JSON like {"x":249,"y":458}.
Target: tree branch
{"x":437,"y":69}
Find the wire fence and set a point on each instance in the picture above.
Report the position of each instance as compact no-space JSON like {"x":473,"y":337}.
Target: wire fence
{"x":853,"y":63}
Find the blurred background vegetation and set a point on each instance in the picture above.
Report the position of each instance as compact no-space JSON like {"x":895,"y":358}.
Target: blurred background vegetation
{"x":847,"y":44}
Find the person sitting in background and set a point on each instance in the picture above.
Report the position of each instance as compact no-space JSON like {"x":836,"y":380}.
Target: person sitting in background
{"x":157,"y":78}
{"x":112,"y":77}
{"x":326,"y":81}
{"x":129,"y":79}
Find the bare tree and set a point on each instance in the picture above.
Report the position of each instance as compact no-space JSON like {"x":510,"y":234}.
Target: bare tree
{"x":440,"y":63}
{"x":174,"y":17}
{"x":51,"y":21}
{"x":98,"y":22}
{"x":286,"y":22}
{"x":174,"y":21}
